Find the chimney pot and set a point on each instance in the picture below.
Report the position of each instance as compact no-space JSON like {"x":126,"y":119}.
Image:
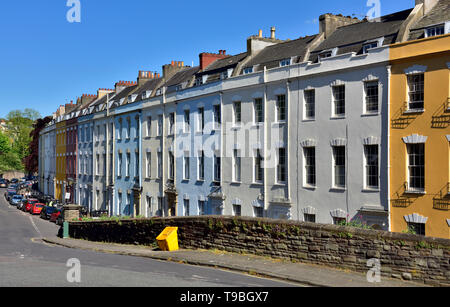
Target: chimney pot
{"x":260,"y":35}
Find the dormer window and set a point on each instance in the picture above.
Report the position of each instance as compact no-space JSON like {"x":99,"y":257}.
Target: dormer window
{"x":198,"y":81}
{"x":146,"y":94}
{"x":122,"y":100}
{"x":224,"y":75}
{"x":435,"y":30}
{"x":368,"y":46}
{"x":326,"y":54}
{"x":158,"y":92}
{"x":132,"y":97}
{"x":248,"y":70}
{"x":285,"y":62}
{"x":179,"y":87}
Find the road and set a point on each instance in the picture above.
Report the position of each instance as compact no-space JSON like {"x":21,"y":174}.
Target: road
{"x":25,"y":261}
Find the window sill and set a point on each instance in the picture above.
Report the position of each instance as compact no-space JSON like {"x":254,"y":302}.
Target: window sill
{"x":370,"y":114}
{"x":280,"y":123}
{"x":236,"y":127}
{"x":371,"y":190}
{"x":338,"y":189}
{"x":310,"y":187}
{"x":280,"y":184}
{"x":415,"y":192}
{"x":334,"y":117}
{"x":257,"y":183}
{"x":306,"y":120}
{"x":414,"y":111}
{"x":236,"y":182}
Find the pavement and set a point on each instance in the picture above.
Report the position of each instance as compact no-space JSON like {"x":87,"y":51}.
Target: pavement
{"x":298,"y":273}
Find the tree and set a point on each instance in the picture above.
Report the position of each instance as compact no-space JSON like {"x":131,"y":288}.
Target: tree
{"x":32,"y":160}
{"x":19,"y":126}
{"x":9,"y":161}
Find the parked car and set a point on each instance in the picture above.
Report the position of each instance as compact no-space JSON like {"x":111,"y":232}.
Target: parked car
{"x":15,"y":200}
{"x":29,"y":204}
{"x":21,"y":204}
{"x":48,"y":211}
{"x":14,"y":180}
{"x":55,"y":215}
{"x":36,"y":208}
{"x":10,"y":192}
{"x":3,"y":183}
{"x":60,"y":218}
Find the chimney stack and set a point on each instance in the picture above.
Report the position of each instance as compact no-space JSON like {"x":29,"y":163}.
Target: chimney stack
{"x":170,"y":69}
{"x":427,"y":5}
{"x":272,"y":32}
{"x":328,"y":23}
{"x":207,"y":59}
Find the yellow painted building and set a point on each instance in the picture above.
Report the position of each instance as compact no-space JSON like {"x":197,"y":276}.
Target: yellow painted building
{"x":60,"y":160}
{"x":420,"y":136}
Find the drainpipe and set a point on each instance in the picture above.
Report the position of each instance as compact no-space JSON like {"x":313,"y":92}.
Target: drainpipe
{"x":221,"y":148}
{"x":288,"y":101}
{"x":297,"y":147}
{"x":140,"y":160}
{"x":266,"y":189}
{"x":389,"y":73}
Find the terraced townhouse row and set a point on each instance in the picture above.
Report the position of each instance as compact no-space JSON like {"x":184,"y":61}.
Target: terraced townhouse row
{"x":349,"y":124}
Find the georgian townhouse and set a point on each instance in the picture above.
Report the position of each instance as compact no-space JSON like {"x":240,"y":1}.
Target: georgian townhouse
{"x":159,"y":195}
{"x":102,"y":152}
{"x":47,"y":158}
{"x":342,"y":97}
{"x":85,"y":150}
{"x":126,"y":146}
{"x":257,"y":150}
{"x":420,"y":124}
{"x":151,"y":138}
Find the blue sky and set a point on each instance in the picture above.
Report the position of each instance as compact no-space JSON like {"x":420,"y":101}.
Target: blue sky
{"x":46,"y":61}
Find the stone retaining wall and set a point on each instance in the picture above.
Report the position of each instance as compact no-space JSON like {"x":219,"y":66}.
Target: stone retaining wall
{"x":400,"y":255}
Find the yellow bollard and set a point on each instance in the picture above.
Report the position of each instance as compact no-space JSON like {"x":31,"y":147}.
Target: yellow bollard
{"x":168,"y":239}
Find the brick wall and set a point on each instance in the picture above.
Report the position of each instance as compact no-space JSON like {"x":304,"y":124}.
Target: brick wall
{"x":401,"y":255}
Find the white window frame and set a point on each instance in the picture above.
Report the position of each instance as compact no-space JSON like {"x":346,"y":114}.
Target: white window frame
{"x":335,"y":99}
{"x":256,"y":114}
{"x":313,"y":103}
{"x":186,"y":167}
{"x":237,"y":166}
{"x":410,"y":166}
{"x":366,"y":97}
{"x":335,"y":167}
{"x":307,"y":167}
{"x":367,"y":166}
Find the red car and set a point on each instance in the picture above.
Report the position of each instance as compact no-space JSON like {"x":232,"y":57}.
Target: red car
{"x":55,"y":215}
{"x":36,"y":208}
{"x":30,"y":204}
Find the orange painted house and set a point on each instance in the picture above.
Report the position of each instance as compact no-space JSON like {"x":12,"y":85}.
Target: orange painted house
{"x":420,"y":136}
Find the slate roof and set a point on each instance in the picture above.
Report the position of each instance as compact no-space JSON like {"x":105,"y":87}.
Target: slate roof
{"x":181,"y":77}
{"x":351,"y":38}
{"x":223,"y":64}
{"x":438,"y":15}
{"x":150,"y":85}
{"x":272,"y":55}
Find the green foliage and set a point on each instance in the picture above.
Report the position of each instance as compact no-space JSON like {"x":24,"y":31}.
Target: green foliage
{"x":345,"y":235}
{"x":15,"y":142}
{"x":355,"y":224}
{"x":410,"y":231}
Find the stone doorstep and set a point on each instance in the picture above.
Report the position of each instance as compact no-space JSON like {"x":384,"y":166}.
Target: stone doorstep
{"x":167,"y":256}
